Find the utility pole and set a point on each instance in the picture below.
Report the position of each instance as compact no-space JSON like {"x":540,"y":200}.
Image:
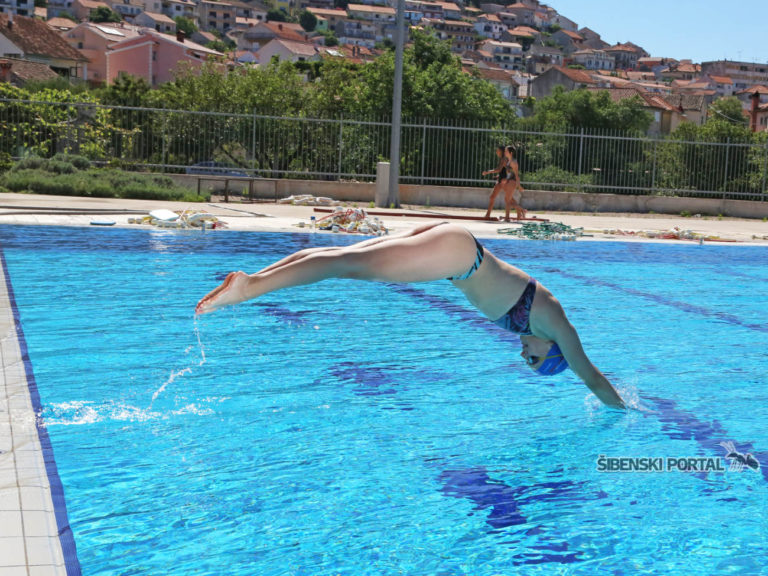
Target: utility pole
{"x":397,"y":97}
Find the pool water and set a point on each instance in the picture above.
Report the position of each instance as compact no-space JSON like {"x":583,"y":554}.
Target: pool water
{"x":366,"y":428}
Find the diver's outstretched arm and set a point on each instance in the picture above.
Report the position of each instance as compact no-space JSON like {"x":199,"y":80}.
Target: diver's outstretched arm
{"x":430,"y":253}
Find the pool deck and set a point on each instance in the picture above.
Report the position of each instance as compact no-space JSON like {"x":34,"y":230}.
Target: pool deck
{"x":29,"y":534}
{"x":31,"y":209}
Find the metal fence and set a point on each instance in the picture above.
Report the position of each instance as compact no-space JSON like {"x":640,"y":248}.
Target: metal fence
{"x":433,"y":152}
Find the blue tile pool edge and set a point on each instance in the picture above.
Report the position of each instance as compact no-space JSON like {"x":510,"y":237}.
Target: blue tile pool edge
{"x":66,"y":537}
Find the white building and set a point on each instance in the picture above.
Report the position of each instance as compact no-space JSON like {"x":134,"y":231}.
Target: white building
{"x":507,"y":55}
{"x":20,"y":7}
{"x":594,"y":59}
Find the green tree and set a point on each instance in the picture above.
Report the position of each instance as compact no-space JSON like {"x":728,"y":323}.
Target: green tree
{"x":219,"y":46}
{"x":275,"y":15}
{"x":125,"y":90}
{"x":308,"y":20}
{"x":104,"y":14}
{"x":563,"y":110}
{"x":185,"y":25}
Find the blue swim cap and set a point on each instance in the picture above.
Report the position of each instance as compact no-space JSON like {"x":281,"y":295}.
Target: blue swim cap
{"x":554,"y":362}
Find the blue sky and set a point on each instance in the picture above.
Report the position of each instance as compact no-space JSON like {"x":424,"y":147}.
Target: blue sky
{"x":697,"y":29}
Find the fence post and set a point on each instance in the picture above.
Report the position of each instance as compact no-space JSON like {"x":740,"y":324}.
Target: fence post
{"x":164,"y":151}
{"x":765,"y":170}
{"x":423,"y":148}
{"x":653,"y":167}
{"x":581,"y":156}
{"x":253,"y":143}
{"x":725,"y":171}
{"x":341,"y":142}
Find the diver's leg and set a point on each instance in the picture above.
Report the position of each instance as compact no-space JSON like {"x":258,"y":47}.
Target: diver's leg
{"x":370,"y":242}
{"x":433,"y":254}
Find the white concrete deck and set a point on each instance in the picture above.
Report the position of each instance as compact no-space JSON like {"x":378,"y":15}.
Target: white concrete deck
{"x":29,"y":539}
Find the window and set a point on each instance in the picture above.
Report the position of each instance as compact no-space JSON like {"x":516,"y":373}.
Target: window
{"x":178,"y":8}
{"x":79,"y":45}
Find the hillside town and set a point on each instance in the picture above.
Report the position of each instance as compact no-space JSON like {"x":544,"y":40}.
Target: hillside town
{"x":524,"y":49}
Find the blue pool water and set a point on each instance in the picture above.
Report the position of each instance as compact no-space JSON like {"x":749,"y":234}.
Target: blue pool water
{"x":357,"y":428}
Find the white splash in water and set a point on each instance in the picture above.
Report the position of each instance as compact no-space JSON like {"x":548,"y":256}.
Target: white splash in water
{"x":178,"y":373}
{"x":78,"y":413}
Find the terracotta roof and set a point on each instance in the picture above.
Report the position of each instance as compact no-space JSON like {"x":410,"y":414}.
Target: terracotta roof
{"x":92,"y":4}
{"x":372,"y":9}
{"x":61,"y":23}
{"x":686,"y":101}
{"x":35,"y":37}
{"x":496,"y":75}
{"x":327,"y":13}
{"x":298,"y":48}
{"x":649,"y":100}
{"x":687,"y":67}
{"x":573,"y":35}
{"x":757,"y":88}
{"x":721,"y":79}
{"x":285,"y":31}
{"x":448,"y":6}
{"x":160,"y":17}
{"x":524,"y":31}
{"x":489,"y":17}
{"x":23,"y":71}
{"x":579,"y":76}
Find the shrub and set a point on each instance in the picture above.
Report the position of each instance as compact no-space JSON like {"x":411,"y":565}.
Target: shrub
{"x":97,"y":183}
{"x":79,"y":162}
{"x":555,"y":178}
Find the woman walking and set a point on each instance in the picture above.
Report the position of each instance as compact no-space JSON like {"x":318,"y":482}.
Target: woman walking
{"x":501,"y":179}
{"x":512,"y":188}
{"x":503,"y":293}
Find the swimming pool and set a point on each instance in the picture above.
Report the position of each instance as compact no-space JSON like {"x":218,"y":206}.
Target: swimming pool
{"x":356,"y":428}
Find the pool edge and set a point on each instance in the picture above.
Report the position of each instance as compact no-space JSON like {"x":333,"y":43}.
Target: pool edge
{"x":64,"y":531}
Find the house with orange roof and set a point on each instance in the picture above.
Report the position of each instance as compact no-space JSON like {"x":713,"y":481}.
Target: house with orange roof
{"x":594,"y":59}
{"x":569,"y":41}
{"x":507,"y":55}
{"x":570,"y":79}
{"x":33,"y":40}
{"x":489,"y":26}
{"x":216,"y":15}
{"x":94,"y":41}
{"x":20,"y":72}
{"x":255,"y":37}
{"x":159,"y":22}
{"x":523,"y":13}
{"x":503,"y":80}
{"x":460,"y":34}
{"x":524,"y":35}
{"x":288,"y":50}
{"x":626,"y":55}
{"x":155,"y":57}
{"x":541,"y":58}
{"x":372,"y":13}
{"x":592,"y":39}
{"x":332,"y":16}
{"x":451,"y":11}
{"x":82,"y":9}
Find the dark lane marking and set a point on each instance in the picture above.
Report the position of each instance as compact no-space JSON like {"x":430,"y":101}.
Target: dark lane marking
{"x":376,"y":381}
{"x":659,"y":299}
{"x":283,"y":313}
{"x":370,"y":380}
{"x":681,"y":425}
{"x":505,"y":504}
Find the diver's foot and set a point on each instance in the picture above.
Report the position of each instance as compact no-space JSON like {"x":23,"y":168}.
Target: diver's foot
{"x":231,"y":291}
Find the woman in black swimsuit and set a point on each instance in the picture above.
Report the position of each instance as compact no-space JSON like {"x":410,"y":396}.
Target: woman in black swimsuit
{"x":503,"y":293}
{"x":501,"y":170}
{"x":512,"y":187}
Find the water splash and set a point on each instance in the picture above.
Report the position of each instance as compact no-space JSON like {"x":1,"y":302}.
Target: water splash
{"x":82,"y":412}
{"x":179,"y":373}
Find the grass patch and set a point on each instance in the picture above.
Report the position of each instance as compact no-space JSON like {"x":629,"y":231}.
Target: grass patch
{"x":66,"y":175}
